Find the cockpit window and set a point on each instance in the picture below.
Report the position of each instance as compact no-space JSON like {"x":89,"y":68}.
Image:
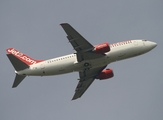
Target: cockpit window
{"x":144,"y":40}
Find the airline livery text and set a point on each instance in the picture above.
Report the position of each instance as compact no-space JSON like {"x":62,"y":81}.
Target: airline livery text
{"x":21,"y":56}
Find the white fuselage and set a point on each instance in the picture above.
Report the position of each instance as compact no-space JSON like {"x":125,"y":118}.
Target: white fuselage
{"x":69,"y":63}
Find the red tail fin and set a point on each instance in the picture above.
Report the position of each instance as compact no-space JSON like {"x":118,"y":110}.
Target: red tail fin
{"x":24,"y":58}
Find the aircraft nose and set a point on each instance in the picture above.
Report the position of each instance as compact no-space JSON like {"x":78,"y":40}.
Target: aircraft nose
{"x":152,"y":44}
{"x":149,"y":45}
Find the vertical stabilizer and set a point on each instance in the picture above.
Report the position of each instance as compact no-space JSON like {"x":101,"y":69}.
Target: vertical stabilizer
{"x":21,"y":56}
{"x":18,"y":79}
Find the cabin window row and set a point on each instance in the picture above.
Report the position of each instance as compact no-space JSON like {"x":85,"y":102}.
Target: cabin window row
{"x":62,"y":58}
{"x":121,"y":43}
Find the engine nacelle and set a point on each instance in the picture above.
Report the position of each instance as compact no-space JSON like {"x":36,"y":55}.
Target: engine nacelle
{"x":102,"y":48}
{"x":105,"y":74}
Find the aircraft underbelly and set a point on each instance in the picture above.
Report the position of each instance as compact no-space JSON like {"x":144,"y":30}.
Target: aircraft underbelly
{"x":61,"y":68}
{"x":91,"y":64}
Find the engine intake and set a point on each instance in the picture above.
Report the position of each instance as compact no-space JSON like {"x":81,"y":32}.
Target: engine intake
{"x":105,"y":74}
{"x":102,"y":48}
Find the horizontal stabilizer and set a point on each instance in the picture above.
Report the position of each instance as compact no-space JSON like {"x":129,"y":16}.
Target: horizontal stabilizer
{"x":18,"y":79}
{"x":18,"y":64}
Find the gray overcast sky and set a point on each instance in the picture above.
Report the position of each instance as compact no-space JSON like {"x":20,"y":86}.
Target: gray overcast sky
{"x":32,"y":26}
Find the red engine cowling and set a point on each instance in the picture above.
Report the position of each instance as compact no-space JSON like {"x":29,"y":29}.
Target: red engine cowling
{"x":105,"y":74}
{"x":102,"y":48}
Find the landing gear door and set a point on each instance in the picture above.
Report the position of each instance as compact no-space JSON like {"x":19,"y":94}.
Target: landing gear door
{"x":87,"y":64}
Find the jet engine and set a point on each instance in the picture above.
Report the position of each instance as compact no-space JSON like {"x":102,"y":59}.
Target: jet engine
{"x":105,"y":74}
{"x":102,"y":48}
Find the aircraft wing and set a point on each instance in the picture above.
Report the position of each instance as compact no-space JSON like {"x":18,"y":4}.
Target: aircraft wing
{"x":84,"y":52}
{"x":86,"y":79}
{"x":80,"y":44}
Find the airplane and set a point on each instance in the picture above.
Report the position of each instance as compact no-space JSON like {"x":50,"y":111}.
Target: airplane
{"x":88,"y":60}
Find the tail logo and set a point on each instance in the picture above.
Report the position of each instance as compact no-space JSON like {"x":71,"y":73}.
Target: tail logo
{"x":21,"y":56}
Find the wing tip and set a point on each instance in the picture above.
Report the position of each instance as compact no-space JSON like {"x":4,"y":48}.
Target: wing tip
{"x":13,"y":86}
{"x":73,"y":99}
{"x":64,"y":24}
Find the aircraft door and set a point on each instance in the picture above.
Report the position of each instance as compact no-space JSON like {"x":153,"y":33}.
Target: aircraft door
{"x":135,"y":43}
{"x":42,"y":66}
{"x":138,"y":43}
{"x":121,"y":55}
